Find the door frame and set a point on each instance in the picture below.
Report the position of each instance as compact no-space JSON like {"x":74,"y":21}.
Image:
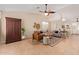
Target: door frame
{"x":6,"y":27}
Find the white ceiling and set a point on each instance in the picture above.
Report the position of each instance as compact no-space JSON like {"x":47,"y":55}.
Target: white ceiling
{"x":69,"y":11}
{"x":30,"y":7}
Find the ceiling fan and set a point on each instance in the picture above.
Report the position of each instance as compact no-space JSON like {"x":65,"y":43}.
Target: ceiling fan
{"x":46,"y":12}
{"x":77,"y":20}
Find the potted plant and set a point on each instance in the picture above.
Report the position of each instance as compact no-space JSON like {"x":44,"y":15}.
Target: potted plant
{"x":23,"y":32}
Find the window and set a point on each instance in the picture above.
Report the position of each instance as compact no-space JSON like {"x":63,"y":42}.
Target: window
{"x":44,"y":26}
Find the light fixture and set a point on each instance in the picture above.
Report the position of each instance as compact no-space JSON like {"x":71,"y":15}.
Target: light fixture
{"x":46,"y":14}
{"x":44,"y":23}
{"x":77,"y":20}
{"x":47,"y":11}
{"x":63,"y":19}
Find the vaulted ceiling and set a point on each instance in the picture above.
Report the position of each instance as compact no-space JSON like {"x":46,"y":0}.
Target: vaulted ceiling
{"x":69,"y":11}
{"x":31,"y":7}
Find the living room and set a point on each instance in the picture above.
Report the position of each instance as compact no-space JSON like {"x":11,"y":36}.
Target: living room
{"x":33,"y":18}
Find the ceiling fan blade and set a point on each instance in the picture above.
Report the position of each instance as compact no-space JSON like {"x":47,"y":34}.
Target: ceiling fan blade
{"x":51,"y":12}
{"x":46,"y":11}
{"x":43,"y":11}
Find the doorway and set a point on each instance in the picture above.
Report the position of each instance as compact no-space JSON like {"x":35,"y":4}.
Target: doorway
{"x":13,"y":30}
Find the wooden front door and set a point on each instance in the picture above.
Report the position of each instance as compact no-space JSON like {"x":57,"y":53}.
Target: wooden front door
{"x":13,"y":30}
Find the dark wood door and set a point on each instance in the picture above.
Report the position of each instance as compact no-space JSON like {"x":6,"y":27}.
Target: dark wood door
{"x":13,"y":30}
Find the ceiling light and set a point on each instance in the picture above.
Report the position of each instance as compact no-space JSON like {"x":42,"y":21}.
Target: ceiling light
{"x":63,"y":19}
{"x":44,"y":23}
{"x":46,"y":14}
{"x":47,"y":11}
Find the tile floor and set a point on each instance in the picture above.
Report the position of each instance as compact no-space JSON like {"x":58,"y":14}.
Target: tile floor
{"x":67,"y":46}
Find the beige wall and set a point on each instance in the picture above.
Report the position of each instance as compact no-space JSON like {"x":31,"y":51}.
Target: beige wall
{"x":70,"y":13}
{"x":0,"y":29}
{"x":3,"y":29}
{"x":28,"y":20}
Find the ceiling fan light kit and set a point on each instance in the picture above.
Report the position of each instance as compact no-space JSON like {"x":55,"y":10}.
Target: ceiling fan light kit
{"x":46,"y":12}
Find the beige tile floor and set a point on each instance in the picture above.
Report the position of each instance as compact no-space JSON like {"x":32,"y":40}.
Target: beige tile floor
{"x":25,"y":47}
